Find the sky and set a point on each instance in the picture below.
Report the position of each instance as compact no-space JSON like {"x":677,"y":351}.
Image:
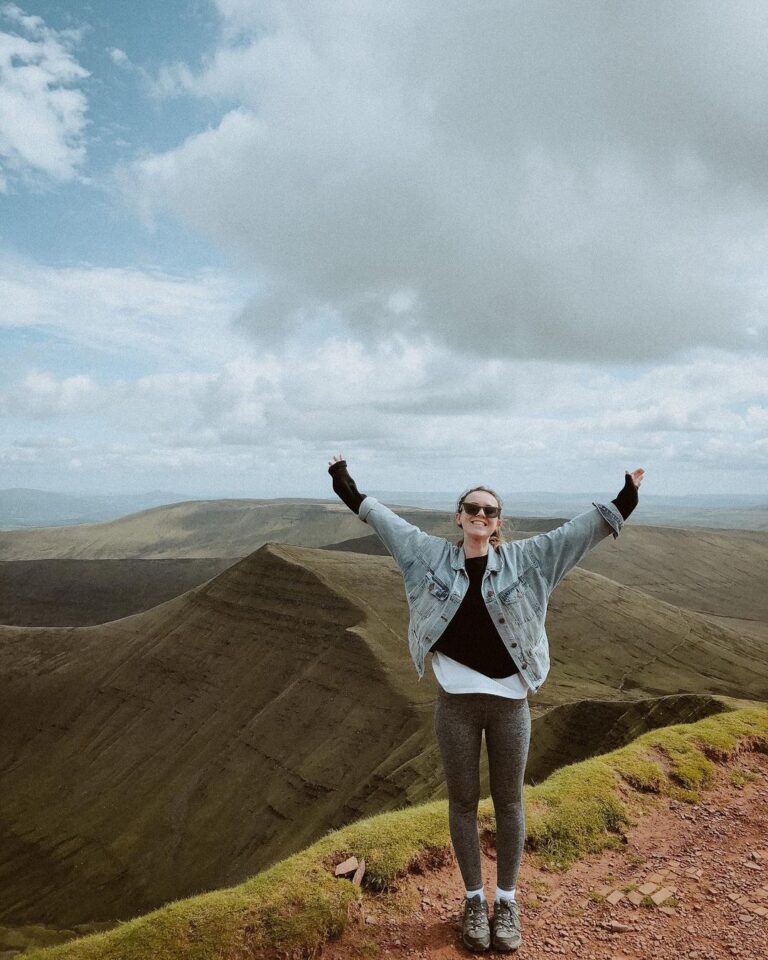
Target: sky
{"x":507,"y":243}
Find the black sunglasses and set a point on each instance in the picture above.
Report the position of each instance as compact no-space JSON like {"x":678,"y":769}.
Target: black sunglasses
{"x":473,"y":509}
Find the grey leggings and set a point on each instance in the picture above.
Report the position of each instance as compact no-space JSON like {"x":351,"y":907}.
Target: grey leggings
{"x":460,"y":719}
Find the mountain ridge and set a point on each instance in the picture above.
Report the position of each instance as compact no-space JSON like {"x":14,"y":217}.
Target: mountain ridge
{"x":235,"y":528}
{"x":297,"y":906}
{"x":288,"y":670}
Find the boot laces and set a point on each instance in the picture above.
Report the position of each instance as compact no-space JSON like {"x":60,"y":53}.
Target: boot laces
{"x":475,"y":916}
{"x":506,"y":917}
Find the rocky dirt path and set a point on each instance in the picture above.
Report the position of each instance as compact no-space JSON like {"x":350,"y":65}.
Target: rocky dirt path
{"x":691,"y":883}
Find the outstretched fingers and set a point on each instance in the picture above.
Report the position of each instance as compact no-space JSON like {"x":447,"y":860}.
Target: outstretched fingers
{"x":637,"y":476}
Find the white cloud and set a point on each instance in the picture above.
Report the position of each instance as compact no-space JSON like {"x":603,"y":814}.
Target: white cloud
{"x":120,"y":58}
{"x":148,"y":314}
{"x":432,"y":421}
{"x":479,"y":245}
{"x":42,"y":395}
{"x":42,"y":110}
{"x":561,"y":180}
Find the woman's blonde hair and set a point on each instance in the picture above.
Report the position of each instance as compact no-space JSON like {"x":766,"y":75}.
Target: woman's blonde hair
{"x":497,"y":537}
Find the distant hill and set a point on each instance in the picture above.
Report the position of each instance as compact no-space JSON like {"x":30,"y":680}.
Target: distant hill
{"x":715,"y":572}
{"x":719,"y":573}
{"x":721,"y":511}
{"x":21,"y":508}
{"x":189,"y":746}
{"x":232,"y":528}
{"x":204,"y":528}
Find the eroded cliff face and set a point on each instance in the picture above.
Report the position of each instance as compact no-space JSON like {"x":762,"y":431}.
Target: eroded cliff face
{"x":189,"y":746}
{"x":78,"y":593}
{"x":185,"y":747}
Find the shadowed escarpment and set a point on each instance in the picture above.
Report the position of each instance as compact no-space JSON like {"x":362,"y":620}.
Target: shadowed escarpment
{"x":77,"y":593}
{"x":188,"y":747}
{"x":575,"y":731}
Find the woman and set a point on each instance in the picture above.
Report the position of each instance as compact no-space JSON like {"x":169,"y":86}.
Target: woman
{"x":478,"y":608}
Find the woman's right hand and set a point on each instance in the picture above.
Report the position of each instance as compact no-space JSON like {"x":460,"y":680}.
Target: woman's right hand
{"x":337,"y":458}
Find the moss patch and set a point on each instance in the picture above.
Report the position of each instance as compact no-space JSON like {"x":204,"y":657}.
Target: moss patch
{"x":688,"y":765}
{"x":640,"y":772}
{"x":577,"y":810}
{"x":297,"y":905}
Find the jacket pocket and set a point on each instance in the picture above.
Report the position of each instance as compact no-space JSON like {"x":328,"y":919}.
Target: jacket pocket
{"x":520,"y":603}
{"x":436,"y":587}
{"x":430,"y":591}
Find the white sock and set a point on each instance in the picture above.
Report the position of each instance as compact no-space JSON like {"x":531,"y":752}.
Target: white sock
{"x":505,"y":894}
{"x":473,"y":893}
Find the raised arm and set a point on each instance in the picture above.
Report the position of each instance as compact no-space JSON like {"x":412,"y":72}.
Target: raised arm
{"x":559,"y":550}
{"x":404,"y":541}
{"x":627,"y":498}
{"x":344,"y":486}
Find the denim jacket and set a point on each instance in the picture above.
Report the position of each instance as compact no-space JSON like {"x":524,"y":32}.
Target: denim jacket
{"x":517,"y":582}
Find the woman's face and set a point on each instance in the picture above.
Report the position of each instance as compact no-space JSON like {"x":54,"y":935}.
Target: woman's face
{"x":479,"y":525}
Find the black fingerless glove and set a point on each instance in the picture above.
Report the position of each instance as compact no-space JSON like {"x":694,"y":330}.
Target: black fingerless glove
{"x":345,"y":487}
{"x":627,"y":499}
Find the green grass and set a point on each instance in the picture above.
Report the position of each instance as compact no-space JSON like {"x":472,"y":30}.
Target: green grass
{"x":739,"y":778}
{"x":297,"y":905}
{"x":575,"y":811}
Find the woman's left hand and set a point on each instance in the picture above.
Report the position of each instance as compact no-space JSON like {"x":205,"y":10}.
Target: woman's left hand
{"x":637,"y":476}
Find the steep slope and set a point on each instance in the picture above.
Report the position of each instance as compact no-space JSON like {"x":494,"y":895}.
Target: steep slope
{"x":611,"y":638}
{"x":713,"y":572}
{"x":193,"y":744}
{"x":718,"y":573}
{"x":222,"y":716}
{"x":74,"y":593}
{"x":608,"y":824}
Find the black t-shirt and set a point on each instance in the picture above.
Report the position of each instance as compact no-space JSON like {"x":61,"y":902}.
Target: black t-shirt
{"x":471,"y":637}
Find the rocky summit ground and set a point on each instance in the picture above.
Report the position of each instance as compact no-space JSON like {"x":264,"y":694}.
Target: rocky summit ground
{"x":690,"y":883}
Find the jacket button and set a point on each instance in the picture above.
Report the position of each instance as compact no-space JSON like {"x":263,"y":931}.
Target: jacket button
{"x":502,"y":620}
{"x":525,"y":666}
{"x":514,"y":644}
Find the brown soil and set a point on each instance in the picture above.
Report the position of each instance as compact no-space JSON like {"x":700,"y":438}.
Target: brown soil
{"x":707,"y":863}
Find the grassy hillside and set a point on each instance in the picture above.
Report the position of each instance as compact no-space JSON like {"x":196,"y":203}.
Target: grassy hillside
{"x":216,"y":528}
{"x":205,"y":528}
{"x":280,"y":696}
{"x":713,"y":572}
{"x":719,"y":573}
{"x":709,"y":571}
{"x":297,"y":905}
{"x":121,"y":742}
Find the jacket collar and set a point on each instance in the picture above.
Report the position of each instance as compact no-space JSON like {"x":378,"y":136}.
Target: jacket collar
{"x":457,"y":559}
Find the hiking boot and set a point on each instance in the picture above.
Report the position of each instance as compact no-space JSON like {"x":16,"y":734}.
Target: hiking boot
{"x":506,"y":926}
{"x":476,"y":931}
